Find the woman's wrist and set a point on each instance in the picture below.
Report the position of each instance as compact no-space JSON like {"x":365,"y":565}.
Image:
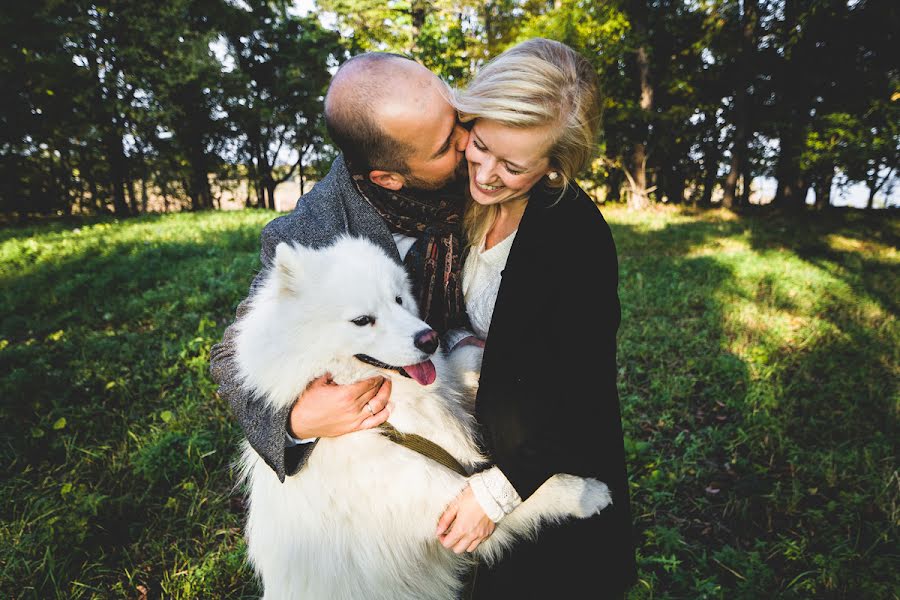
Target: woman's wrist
{"x":494,"y":493}
{"x":487,"y":502}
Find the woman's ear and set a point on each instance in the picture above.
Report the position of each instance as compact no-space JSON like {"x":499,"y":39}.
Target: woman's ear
{"x":390,"y":180}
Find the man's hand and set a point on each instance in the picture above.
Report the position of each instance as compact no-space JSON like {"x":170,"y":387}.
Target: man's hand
{"x":464,"y":524}
{"x":326,"y":409}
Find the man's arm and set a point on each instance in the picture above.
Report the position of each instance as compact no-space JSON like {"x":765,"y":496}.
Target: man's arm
{"x":260,"y":422}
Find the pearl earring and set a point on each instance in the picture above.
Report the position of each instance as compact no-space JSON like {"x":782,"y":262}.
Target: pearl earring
{"x":552,"y":175}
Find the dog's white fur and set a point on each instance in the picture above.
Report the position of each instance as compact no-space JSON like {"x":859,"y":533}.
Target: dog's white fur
{"x":358,"y":521}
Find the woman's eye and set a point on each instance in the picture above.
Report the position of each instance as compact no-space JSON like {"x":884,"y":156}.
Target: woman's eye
{"x":399,"y":300}
{"x":512,"y":172}
{"x":477,"y":145}
{"x":363,"y":320}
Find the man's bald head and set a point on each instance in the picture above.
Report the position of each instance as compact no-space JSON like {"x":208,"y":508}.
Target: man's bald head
{"x":376,"y":107}
{"x":392,"y":120}
{"x":362,"y":84}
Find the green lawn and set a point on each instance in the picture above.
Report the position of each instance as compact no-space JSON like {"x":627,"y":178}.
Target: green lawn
{"x":759,"y":383}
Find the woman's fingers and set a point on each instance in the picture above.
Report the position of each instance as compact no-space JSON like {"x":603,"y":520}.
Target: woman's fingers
{"x":460,"y":546}
{"x":446,"y":519}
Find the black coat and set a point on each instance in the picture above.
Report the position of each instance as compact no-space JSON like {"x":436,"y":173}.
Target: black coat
{"x":547,"y":400}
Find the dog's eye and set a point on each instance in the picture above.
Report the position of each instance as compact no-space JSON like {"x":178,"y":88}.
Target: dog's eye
{"x":399,"y":300}
{"x":363,"y":320}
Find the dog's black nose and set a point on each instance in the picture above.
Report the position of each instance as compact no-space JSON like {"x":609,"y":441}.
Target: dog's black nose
{"x":427,"y":340}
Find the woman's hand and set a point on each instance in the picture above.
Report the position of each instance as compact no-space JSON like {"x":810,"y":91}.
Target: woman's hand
{"x":464,"y":524}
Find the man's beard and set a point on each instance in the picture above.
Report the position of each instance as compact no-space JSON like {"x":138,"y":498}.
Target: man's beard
{"x":456,"y":179}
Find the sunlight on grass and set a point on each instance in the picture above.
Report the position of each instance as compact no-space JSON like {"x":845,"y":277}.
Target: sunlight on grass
{"x":758,"y":362}
{"x":760,"y":367}
{"x":870,"y":248}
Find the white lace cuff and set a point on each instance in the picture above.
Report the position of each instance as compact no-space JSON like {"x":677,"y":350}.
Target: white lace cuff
{"x":494,"y":493}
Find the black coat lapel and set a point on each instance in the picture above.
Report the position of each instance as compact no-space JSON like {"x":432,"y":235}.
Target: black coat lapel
{"x":523,"y":285}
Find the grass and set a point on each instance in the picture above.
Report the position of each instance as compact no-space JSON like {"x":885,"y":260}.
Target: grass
{"x":758,"y":377}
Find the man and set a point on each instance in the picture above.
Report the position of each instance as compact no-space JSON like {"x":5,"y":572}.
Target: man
{"x":402,"y":149}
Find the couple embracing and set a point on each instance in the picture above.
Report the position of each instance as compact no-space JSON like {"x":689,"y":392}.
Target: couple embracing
{"x":474,"y":193}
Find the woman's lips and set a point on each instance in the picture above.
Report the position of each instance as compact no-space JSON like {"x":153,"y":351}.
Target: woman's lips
{"x":489,"y":190}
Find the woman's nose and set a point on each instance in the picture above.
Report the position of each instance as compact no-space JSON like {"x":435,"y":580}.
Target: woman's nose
{"x":485,"y":171}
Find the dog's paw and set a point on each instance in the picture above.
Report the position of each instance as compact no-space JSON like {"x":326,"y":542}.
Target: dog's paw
{"x":594,"y":498}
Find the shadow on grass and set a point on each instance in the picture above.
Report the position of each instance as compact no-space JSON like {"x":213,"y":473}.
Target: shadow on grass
{"x":744,"y":482}
{"x":758,"y":465}
{"x":119,"y":439}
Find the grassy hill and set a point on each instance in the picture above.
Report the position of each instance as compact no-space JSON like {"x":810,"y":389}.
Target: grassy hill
{"x":758,"y":376}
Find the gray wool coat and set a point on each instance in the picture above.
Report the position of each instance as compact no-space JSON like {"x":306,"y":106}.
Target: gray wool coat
{"x":332,"y":207}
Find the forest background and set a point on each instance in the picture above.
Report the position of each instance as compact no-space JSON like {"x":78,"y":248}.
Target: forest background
{"x":759,"y":350}
{"x":130,"y":107}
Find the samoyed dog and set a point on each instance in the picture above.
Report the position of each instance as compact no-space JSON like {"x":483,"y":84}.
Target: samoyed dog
{"x":358,"y":521}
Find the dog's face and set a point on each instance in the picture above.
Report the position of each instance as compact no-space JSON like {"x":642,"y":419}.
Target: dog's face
{"x":354,"y":304}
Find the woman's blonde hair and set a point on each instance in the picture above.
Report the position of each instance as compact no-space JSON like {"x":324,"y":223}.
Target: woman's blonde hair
{"x":536,"y":83}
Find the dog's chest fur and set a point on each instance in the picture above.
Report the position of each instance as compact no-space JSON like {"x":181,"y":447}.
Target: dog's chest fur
{"x":364,"y":509}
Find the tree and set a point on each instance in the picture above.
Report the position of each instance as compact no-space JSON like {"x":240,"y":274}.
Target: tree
{"x":745,"y":72}
{"x":276,"y":89}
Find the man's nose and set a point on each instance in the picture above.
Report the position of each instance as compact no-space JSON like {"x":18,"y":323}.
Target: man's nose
{"x":426,"y":341}
{"x":462,"y":138}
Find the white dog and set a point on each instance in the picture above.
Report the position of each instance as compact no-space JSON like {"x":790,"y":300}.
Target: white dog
{"x":358,"y":521}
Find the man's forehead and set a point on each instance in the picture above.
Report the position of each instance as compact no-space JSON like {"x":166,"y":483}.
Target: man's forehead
{"x":418,"y":119}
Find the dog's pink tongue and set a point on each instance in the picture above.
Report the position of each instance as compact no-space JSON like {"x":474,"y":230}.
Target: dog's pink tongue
{"x":423,"y":372}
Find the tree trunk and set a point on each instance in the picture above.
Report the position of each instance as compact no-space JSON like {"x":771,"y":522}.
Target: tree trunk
{"x":144,"y":197}
{"x":116,"y":157}
{"x":875,"y":183}
{"x":132,"y":197}
{"x":418,"y":10}
{"x":741,"y":103}
{"x":301,"y":177}
{"x":792,"y":186}
{"x":710,"y":168}
{"x":675,"y":187}
{"x":823,"y":191}
{"x":730,"y":186}
{"x":746,"y":184}
{"x":92,"y":190}
{"x":200,"y":192}
{"x":614,"y":185}
{"x":638,"y":198}
{"x":270,"y":193}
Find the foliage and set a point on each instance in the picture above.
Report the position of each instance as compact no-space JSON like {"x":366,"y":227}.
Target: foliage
{"x":758,"y":377}
{"x":277,"y":88}
{"x":112,"y":103}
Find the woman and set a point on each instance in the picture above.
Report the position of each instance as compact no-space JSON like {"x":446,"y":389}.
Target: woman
{"x":541,"y":278}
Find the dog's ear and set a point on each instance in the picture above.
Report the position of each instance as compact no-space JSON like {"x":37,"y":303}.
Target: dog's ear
{"x":288,"y":267}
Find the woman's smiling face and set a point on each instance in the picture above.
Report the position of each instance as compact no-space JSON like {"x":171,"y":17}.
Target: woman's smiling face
{"x":505,"y":162}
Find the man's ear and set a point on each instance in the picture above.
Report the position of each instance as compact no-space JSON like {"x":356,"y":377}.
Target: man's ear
{"x":390,"y":180}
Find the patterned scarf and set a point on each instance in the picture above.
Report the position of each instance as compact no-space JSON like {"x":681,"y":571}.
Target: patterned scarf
{"x":434,"y":262}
